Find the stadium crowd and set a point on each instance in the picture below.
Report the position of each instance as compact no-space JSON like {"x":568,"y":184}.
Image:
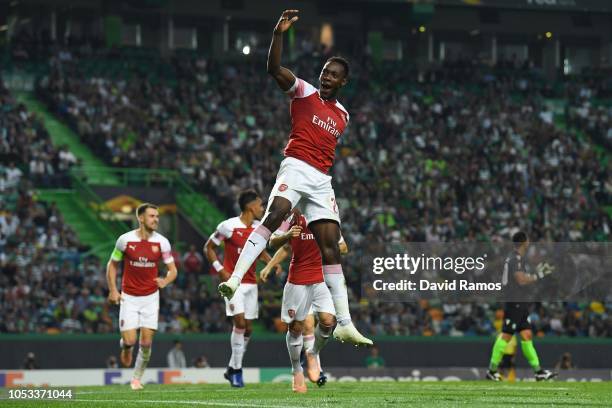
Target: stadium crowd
{"x":472,"y":319}
{"x":423,"y":159}
{"x":26,"y":146}
{"x":587,"y":113}
{"x":452,"y":148}
{"x":39,"y":260}
{"x":46,"y":284}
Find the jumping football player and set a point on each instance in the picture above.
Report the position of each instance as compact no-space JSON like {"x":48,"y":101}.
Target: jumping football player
{"x":140,"y":250}
{"x":318,"y":120}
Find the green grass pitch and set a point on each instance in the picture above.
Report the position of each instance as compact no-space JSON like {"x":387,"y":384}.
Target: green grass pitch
{"x":354,"y":395}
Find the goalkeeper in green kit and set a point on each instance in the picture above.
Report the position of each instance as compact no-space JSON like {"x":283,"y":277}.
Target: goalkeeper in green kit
{"x":516,"y":314}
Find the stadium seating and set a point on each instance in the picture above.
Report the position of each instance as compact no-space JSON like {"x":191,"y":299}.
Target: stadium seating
{"x":428,"y":157}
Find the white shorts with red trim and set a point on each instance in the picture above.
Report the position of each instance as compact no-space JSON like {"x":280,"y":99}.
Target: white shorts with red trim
{"x":136,"y":312}
{"x":298,"y":300}
{"x":307,"y":187}
{"x":244,"y":301}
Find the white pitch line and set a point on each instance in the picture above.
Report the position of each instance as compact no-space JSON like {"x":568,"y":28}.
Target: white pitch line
{"x":182,"y":402}
{"x":145,"y":391}
{"x":420,"y":385}
{"x":493,"y":388}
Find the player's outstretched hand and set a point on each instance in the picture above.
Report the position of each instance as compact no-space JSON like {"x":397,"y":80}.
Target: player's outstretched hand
{"x":286,"y":20}
{"x":161,"y":283}
{"x":114,"y":297}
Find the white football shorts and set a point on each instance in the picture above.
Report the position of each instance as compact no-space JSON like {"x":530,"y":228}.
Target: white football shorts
{"x":139,"y":311}
{"x":298,"y":300}
{"x":243,"y":301}
{"x":306,"y":187}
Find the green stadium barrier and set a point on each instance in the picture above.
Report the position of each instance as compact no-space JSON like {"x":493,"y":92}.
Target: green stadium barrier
{"x":81,"y":210}
{"x":95,"y":204}
{"x":202,"y":214}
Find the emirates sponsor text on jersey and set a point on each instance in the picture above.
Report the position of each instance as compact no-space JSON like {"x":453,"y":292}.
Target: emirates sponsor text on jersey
{"x":329,"y":126}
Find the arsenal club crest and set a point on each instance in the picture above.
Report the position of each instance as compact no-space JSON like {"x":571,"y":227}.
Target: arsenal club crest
{"x":155,"y":249}
{"x":291,"y":313}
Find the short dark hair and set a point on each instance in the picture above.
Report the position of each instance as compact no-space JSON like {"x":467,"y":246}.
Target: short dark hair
{"x":518,"y":238}
{"x":246,"y":197}
{"x":143,"y":207}
{"x":342,"y":61}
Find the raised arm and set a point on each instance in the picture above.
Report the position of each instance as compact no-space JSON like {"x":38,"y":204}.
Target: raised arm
{"x":284,"y":78}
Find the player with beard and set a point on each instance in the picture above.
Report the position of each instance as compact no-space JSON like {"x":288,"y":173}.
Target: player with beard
{"x":243,"y":306}
{"x":140,"y":251}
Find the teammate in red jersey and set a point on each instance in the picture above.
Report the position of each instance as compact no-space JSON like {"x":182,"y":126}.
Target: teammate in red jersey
{"x":140,"y":251}
{"x":305,"y":293}
{"x":317,"y":121}
{"x":243,"y":307}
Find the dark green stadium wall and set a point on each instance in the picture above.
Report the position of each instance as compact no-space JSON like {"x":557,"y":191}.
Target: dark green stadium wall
{"x":91,"y":351}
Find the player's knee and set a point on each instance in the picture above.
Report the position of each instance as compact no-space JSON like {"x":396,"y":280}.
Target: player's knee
{"x":325,"y":329}
{"x":295,"y":328}
{"x":240,"y":324}
{"x":295,"y":333}
{"x":128,"y":344}
{"x":328,"y":320}
{"x":308,"y":327}
{"x":526,"y":335}
{"x":330,"y":254}
{"x":145,"y":343}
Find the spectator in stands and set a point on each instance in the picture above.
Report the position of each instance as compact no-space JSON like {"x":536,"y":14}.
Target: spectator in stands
{"x":25,"y":144}
{"x":565,"y":362}
{"x":29,"y":363}
{"x":111,"y":362}
{"x":201,"y":362}
{"x":192,"y":261}
{"x":176,"y":356}
{"x":13,"y":175}
{"x":374,"y":361}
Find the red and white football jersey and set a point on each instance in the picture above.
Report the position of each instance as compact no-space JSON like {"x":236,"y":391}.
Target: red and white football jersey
{"x":140,"y":260}
{"x":306,"y":264}
{"x":235,"y":234}
{"x":316,"y":125}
